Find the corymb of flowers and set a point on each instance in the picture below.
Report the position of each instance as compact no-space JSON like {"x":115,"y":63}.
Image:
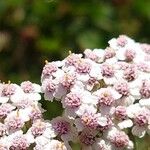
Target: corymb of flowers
{"x":105,"y":95}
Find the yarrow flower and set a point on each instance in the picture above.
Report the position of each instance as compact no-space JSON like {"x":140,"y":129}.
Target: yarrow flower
{"x":105,"y":95}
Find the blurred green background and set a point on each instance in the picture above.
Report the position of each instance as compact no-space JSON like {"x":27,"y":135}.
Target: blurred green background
{"x":32,"y":31}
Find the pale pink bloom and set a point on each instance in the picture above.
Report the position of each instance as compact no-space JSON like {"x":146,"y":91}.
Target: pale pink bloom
{"x":126,"y":54}
{"x":72,"y":100}
{"x":58,"y":87}
{"x":58,"y":145}
{"x":5,"y":109}
{"x":92,"y":81}
{"x":145,"y":89}
{"x":90,"y":55}
{"x":87,"y":138}
{"x":108,"y":73}
{"x":67,"y":80}
{"x":121,"y":117}
{"x":83,"y":68}
{"x":124,"y":48}
{"x":130,"y":54}
{"x":121,"y":112}
{"x":90,"y":120}
{"x":121,"y":42}
{"x":106,"y":99}
{"x":19,"y":141}
{"x":144,"y":67}
{"x":141,"y":119}
{"x":41,"y":128}
{"x":48,"y":88}
{"x":48,"y":70}
{"x":96,"y":55}
{"x":11,"y":92}
{"x":122,"y":88}
{"x":101,"y":144}
{"x":76,"y":101}
{"x":130,"y":73}
{"x":54,"y":145}
{"x":25,"y":103}
{"x":134,"y":87}
{"x":119,"y":139}
{"x":34,"y":112}
{"x":145,"y":93}
{"x":145,"y":47}
{"x":14,"y":121}
{"x":107,"y":70}
{"x":109,"y":53}
{"x":72,"y":59}
{"x":108,"y":124}
{"x":31,"y":90}
{"x":63,"y":128}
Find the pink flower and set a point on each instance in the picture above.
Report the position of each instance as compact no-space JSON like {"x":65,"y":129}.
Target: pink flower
{"x":63,"y":128}
{"x":31,"y":90}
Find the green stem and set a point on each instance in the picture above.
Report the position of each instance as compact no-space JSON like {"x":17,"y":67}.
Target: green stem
{"x":133,"y":139}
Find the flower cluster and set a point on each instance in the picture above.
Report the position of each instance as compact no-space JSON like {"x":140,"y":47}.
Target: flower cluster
{"x":22,"y":126}
{"x":103,"y":92}
{"x":105,"y":95}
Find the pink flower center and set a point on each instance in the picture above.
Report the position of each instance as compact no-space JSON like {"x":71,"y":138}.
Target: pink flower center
{"x":72,"y":59}
{"x":50,"y":87}
{"x":130,"y":54}
{"x":27,"y":87}
{"x":106,"y":127}
{"x":143,"y":67}
{"x":91,"y":55}
{"x":72,"y":100}
{"x":61,"y":127}
{"x":107,"y":70}
{"x":145,"y":89}
{"x":130,"y":73}
{"x":14,"y":123}
{"x":19,"y":143}
{"x":106,"y":98}
{"x":83,"y":67}
{"x":89,"y":120}
{"x":49,"y":69}
{"x":68,"y":80}
{"x":8,"y":90}
{"x":120,"y":140}
{"x":146,"y":48}
{"x":38,"y":129}
{"x":120,"y":112}
{"x":87,"y":138}
{"x":141,"y":120}
{"x":109,"y":53}
{"x":122,"y":88}
{"x":121,"y":41}
{"x":5,"y":109}
{"x":35,"y":114}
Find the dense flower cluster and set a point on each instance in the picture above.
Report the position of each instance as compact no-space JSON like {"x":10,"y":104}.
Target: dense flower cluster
{"x":105,"y":94}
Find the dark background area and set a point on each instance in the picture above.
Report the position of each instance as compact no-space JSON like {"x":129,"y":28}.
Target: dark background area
{"x":32,"y":31}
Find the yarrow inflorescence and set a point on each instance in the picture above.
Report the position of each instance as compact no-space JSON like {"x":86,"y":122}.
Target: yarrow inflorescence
{"x":105,"y":95}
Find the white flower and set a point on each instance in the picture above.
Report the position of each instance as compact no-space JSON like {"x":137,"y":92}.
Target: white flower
{"x":31,"y":90}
